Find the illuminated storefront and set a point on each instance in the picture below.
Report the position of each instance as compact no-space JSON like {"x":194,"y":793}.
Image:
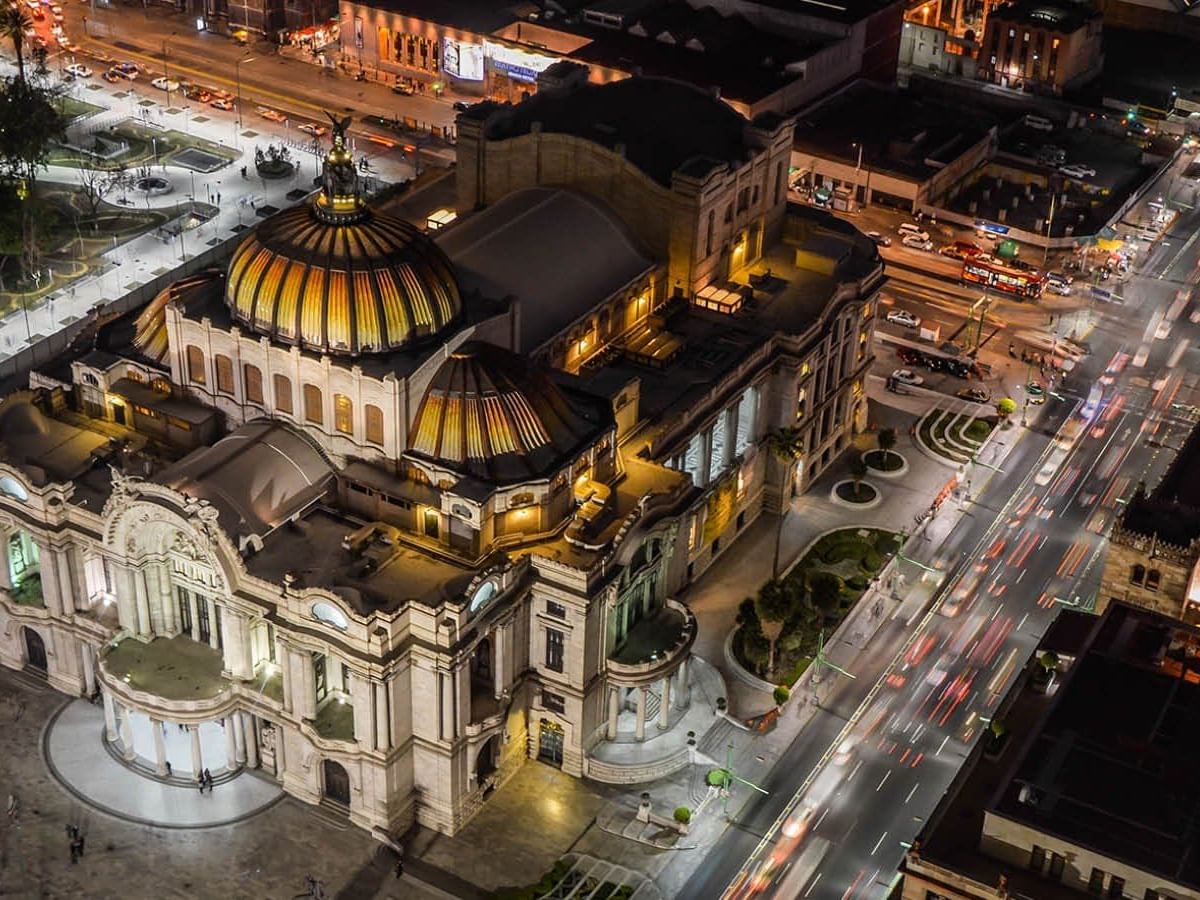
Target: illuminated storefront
{"x":511,"y":72}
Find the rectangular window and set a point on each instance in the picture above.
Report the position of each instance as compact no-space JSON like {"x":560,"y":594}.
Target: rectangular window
{"x":224,"y":367}
{"x":312,"y":404}
{"x":283,"y":394}
{"x":554,"y":702}
{"x":1037,"y":858}
{"x":1116,"y":887}
{"x":204,"y":625}
{"x":556,"y":609}
{"x":374,"y":423}
{"x":195,"y":365}
{"x":252,"y":377}
{"x":1151,"y":894}
{"x":554,"y":650}
{"x":185,"y":611}
{"x":1096,"y":882}
{"x":320,"y":676}
{"x":1057,"y":863}
{"x":343,"y":414}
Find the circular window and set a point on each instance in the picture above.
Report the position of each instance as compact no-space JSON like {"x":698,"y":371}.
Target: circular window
{"x":483,"y":595}
{"x":13,"y":488}
{"x":330,"y":615}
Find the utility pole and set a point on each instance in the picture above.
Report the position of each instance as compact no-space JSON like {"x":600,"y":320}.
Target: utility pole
{"x":728,"y":776}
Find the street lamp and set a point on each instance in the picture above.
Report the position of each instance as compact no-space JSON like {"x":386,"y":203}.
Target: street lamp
{"x":166,"y":74}
{"x":237,"y":74}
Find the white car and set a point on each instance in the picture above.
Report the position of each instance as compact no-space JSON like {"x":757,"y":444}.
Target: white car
{"x":165,"y":84}
{"x":917,"y":242}
{"x":903,"y":317}
{"x":79,"y":70}
{"x":311,"y":128}
{"x":881,"y":239}
{"x":907,"y":376}
{"x":1076,"y":171}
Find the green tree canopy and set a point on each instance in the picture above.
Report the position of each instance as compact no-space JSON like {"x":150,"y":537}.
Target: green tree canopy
{"x":826,"y":591}
{"x":887,"y":440}
{"x":29,"y":126}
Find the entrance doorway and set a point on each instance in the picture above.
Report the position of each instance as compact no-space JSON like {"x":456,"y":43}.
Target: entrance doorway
{"x":35,"y":651}
{"x":550,"y":743}
{"x":489,"y":757}
{"x":337,"y":782}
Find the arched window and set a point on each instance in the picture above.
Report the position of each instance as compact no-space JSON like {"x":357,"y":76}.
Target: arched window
{"x":1137,"y":575}
{"x":313,"y":404}
{"x":1153,"y":577}
{"x":374,"y":423}
{"x":343,"y":414}
{"x":252,"y":377}
{"x":195,"y":365}
{"x":283,"y":394}
{"x":224,"y":367}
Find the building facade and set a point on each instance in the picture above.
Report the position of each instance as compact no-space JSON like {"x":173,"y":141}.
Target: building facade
{"x":406,"y":514}
{"x":1040,"y":47}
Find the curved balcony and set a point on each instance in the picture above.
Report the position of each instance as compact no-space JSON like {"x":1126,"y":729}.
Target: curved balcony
{"x":654,"y":646}
{"x":176,"y":676}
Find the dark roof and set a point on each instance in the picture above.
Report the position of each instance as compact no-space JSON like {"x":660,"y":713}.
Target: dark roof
{"x":477,"y":16}
{"x":1112,"y":766}
{"x":1171,"y":511}
{"x":846,"y":12}
{"x":1062,"y":18}
{"x":662,"y":124}
{"x":902,"y":134}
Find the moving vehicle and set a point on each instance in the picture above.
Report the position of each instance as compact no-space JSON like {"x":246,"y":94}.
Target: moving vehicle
{"x":402,"y":87}
{"x":961,"y":250}
{"x":128,"y":69}
{"x":165,"y":84}
{"x":1137,"y":128}
{"x":112,"y":75}
{"x":975,"y":395}
{"x":912,"y":357}
{"x":1010,"y":277}
{"x":1036,"y":393}
{"x":881,"y":239}
{"x":222,"y":103}
{"x":197,"y":93}
{"x":903,"y":317}
{"x":907,"y":376}
{"x":917,"y":242}
{"x":79,"y":70}
{"x":1038,"y":123}
{"x":1076,"y":171}
{"x":272,"y":115}
{"x":311,"y":128}
{"x":908,"y":228}
{"x":461,"y":105}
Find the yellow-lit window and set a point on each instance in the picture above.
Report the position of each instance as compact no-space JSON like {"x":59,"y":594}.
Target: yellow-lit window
{"x":252,"y":378}
{"x":374,"y":423}
{"x":224,"y":367}
{"x":195,"y":365}
{"x":343,"y":414}
{"x":804,"y":370}
{"x":801,"y":397}
{"x":741,"y":484}
{"x":858,"y":389}
{"x":694,"y":532}
{"x":283,"y":394}
{"x":313,"y":404}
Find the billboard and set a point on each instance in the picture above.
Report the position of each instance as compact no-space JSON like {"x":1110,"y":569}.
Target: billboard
{"x":517,"y":64}
{"x":462,"y":60}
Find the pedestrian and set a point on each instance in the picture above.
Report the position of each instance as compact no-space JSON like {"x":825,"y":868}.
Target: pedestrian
{"x":200,"y":782}
{"x":208,"y":780}
{"x":77,"y":845}
{"x":168,"y":768}
{"x":12,"y":807}
{"x":74,"y":853}
{"x":399,"y":868}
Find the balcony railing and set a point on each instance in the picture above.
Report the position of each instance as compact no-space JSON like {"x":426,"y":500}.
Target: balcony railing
{"x":656,"y":644}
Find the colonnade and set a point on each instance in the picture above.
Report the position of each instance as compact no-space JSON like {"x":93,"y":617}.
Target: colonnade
{"x":672,"y":688}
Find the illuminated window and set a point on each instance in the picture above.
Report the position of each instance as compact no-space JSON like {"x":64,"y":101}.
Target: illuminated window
{"x":252,"y":378}
{"x":804,"y":370}
{"x":135,"y":375}
{"x":343,"y":414}
{"x":694,"y":532}
{"x":195,"y":365}
{"x":224,"y":367}
{"x":1153,"y":577}
{"x":283,"y":394}
{"x":374,"y":423}
{"x":741,"y":483}
{"x":313,"y":404}
{"x":161,"y":385}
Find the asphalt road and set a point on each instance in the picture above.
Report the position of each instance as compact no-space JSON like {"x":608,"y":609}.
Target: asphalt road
{"x":865,"y":774}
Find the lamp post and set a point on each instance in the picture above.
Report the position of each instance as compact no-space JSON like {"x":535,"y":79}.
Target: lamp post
{"x":167,"y":74}
{"x":237,"y":74}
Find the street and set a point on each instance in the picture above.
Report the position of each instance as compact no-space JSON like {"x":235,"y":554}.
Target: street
{"x":855,"y":788}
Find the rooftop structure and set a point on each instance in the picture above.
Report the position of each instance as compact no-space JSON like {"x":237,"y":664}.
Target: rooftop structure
{"x":1094,"y":790}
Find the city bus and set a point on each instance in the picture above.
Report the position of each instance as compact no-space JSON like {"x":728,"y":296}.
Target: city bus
{"x":1012,"y":278}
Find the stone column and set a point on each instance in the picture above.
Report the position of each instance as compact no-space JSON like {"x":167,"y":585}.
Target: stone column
{"x":110,"y":718}
{"x":500,"y":659}
{"x":212,"y":623}
{"x":250,"y":739}
{"x":83,"y":597}
{"x":160,"y":747}
{"x":88,"y":657}
{"x":194,"y":610}
{"x":361,"y":703}
{"x":664,"y":707}
{"x":683,"y":691}
{"x":143,"y":603}
{"x":447,"y":699}
{"x":126,"y":603}
{"x":237,"y":645}
{"x":127,"y":733}
{"x":614,"y":711}
{"x":5,"y":574}
{"x":640,"y":730}
{"x":231,"y":755}
{"x":285,"y":673}
{"x":234,"y":721}
{"x":306,"y":704}
{"x":48,"y":567}
{"x":166,"y":603}
{"x":197,"y":760}
{"x":383,"y":717}
{"x":66,"y":584}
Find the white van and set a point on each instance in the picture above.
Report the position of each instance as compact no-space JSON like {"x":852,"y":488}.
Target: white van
{"x":908,"y":228}
{"x":1038,"y":123}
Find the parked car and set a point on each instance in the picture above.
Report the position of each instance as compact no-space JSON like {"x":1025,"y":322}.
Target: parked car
{"x":197,"y":93}
{"x":912,"y":357}
{"x":1038,"y":123}
{"x":907,"y":376}
{"x":128,"y":69}
{"x":881,"y":239}
{"x":1076,"y":171}
{"x":312,"y":128}
{"x":112,"y":75}
{"x":402,"y":87}
{"x":1036,"y":393}
{"x":904,"y":229}
{"x":961,"y":250}
{"x":903,"y":317}
{"x":79,"y":70}
{"x":1135,"y":127}
{"x":165,"y":84}
{"x":222,"y":103}
{"x":975,"y":395}
{"x":917,"y":242}
{"x":461,"y":105}
{"x":273,"y":115}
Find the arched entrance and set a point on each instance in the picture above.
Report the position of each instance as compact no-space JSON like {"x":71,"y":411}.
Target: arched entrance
{"x":488,"y":759}
{"x":550,"y":742}
{"x":337,"y":782}
{"x":35,"y":651}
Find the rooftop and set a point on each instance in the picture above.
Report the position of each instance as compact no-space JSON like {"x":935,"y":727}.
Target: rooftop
{"x":845,"y":12}
{"x":909,"y":136}
{"x":1108,"y":760}
{"x":1171,"y":511}
{"x":44,"y":447}
{"x":175,"y":668}
{"x":662,"y":124}
{"x":1058,"y":17}
{"x":476,"y":16}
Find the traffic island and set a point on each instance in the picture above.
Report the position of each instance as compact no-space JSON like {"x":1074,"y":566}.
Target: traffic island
{"x":886,"y":464}
{"x":952,"y":438}
{"x":860,"y":494}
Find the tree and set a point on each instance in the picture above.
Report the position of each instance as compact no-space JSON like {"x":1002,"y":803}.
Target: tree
{"x":96,"y":182}
{"x":786,"y":445}
{"x":14,"y":22}
{"x":826,"y":591}
{"x":858,"y":471}
{"x":887,"y":440}
{"x":1005,"y":407}
{"x":773,"y":606}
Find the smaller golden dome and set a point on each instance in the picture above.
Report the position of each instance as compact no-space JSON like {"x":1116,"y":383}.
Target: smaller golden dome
{"x":487,"y":414}
{"x":150,"y":334}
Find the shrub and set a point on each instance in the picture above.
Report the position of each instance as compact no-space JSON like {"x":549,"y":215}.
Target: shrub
{"x":886,"y":543}
{"x":871,"y":561}
{"x":781,"y":694}
{"x":747,"y":613}
{"x":857,"y":583}
{"x":826,"y":591}
{"x":1005,"y":407}
{"x":683,"y":815}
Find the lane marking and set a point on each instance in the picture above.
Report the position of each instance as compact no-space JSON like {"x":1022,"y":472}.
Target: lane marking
{"x":883,"y":780}
{"x":879,"y":842}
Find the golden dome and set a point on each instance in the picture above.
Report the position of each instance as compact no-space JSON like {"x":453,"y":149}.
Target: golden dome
{"x":486,"y":413}
{"x":150,"y":329}
{"x":333,"y":277}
